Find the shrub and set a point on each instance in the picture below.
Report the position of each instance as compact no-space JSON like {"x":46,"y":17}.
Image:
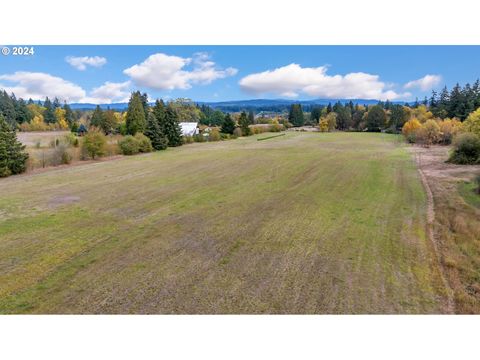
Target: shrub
{"x":237,"y":132}
{"x":199,"y":138}
{"x":214,"y":135}
{"x":188,"y":139}
{"x":61,"y":155}
{"x":144,"y":143}
{"x":71,"y":139}
{"x":94,"y":143}
{"x":129,"y":145}
{"x":466,"y":149}
{"x":276,"y":128}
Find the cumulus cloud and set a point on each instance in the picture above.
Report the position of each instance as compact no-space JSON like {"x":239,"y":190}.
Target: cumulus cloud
{"x":167,"y":72}
{"x":425,"y":83}
{"x":81,"y":62}
{"x":291,"y":80}
{"x":37,"y":85}
{"x":108,"y":93}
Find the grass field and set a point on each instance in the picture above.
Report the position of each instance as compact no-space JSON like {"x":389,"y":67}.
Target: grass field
{"x":303,"y":223}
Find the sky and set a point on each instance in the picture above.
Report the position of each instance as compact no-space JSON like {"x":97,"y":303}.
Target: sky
{"x":107,"y":74}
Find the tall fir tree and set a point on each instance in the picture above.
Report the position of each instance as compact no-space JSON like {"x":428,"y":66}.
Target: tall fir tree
{"x":159,"y":112}
{"x":155,"y":134}
{"x":98,"y":118}
{"x":171,"y":127}
{"x":7,"y":108}
{"x":49,"y":113}
{"x":228,"y":125}
{"x":135,"y":121}
{"x":243,"y":123}
{"x":69,"y":114}
{"x":13,"y":158}
{"x":296,"y":115}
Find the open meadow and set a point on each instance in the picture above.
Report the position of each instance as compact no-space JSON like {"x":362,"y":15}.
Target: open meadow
{"x":302,"y":223}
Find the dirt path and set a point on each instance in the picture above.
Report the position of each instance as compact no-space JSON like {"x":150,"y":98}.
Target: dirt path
{"x":431,"y":235}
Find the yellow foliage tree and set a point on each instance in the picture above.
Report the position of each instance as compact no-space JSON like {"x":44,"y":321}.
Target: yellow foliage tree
{"x":422,"y":114}
{"x":430,"y":132}
{"x":410,"y":128}
{"x":448,"y":129}
{"x":37,"y":124}
{"x":323,"y":125}
{"x":472,"y":123}
{"x":61,"y":120}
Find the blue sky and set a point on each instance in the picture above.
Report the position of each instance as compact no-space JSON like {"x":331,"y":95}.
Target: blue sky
{"x":103,"y":74}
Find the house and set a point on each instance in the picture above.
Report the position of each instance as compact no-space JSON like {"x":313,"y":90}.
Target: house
{"x":189,"y":128}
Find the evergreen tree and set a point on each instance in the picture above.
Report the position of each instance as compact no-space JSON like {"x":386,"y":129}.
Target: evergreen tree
{"x":109,"y":123}
{"x":7,"y":108}
{"x":228,"y":125}
{"x":98,"y":118}
{"x":296,"y":115}
{"x":398,"y":117}
{"x":243,"y":123}
{"x":159,"y":112}
{"x":344,"y":117}
{"x":135,"y":121}
{"x":13,"y":158}
{"x":56,"y":103}
{"x":69,"y":114}
{"x":171,"y":127}
{"x":316,"y":114}
{"x":329,"y":108}
{"x":376,"y":118}
{"x":146,"y":107}
{"x":49,"y":113}
{"x":456,"y":105}
{"x":22,"y":112}
{"x":155,"y":134}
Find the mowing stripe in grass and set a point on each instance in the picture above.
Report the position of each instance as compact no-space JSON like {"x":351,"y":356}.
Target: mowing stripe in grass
{"x":270,"y":137}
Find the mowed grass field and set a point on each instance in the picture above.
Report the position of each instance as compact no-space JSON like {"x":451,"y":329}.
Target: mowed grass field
{"x":303,"y":223}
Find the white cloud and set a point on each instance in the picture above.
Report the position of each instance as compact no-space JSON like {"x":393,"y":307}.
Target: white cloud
{"x":425,"y":83}
{"x":37,"y":85}
{"x":291,"y":80}
{"x":81,"y":62}
{"x":168,"y":72}
{"x":108,"y":93}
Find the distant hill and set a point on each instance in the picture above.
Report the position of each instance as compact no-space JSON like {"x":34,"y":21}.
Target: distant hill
{"x":253,"y":104}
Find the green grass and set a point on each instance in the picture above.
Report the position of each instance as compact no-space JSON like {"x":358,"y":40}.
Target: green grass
{"x":468,"y":190}
{"x":303,"y":223}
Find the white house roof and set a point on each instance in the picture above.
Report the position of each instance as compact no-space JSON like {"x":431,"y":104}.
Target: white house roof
{"x":189,"y":128}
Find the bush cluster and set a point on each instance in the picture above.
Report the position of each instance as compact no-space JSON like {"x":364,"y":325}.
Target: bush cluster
{"x":466,"y":149}
{"x":131,"y":145}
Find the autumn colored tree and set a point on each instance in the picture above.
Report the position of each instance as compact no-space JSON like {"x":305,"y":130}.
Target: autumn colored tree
{"x":409,"y":129}
{"x":472,"y":123}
